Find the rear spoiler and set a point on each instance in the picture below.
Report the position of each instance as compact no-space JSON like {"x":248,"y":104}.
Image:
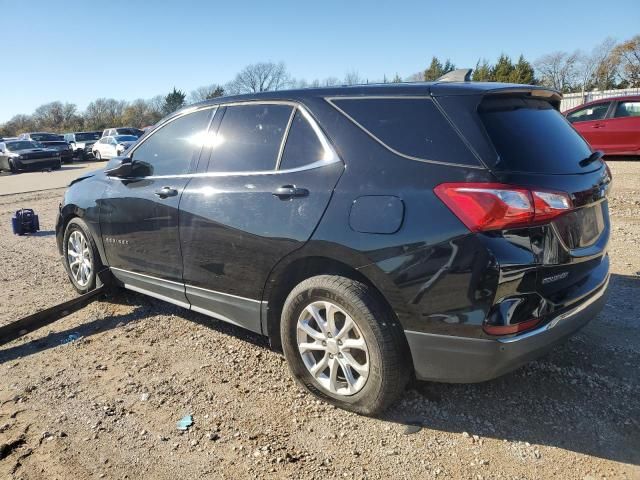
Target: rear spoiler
{"x":482,"y":89}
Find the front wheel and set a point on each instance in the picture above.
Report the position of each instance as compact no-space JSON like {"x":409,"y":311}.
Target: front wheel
{"x":96,"y":154}
{"x":81,"y":257}
{"x":344,"y":345}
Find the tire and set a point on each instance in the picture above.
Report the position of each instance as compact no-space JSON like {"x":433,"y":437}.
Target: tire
{"x":77,"y":228}
{"x":384,"y":359}
{"x":58,"y":165}
{"x":97,"y":155}
{"x":12,"y":167}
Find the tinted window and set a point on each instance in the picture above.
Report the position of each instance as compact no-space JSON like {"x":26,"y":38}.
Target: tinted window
{"x":39,"y":137}
{"x":593,"y":112}
{"x":170,"y":150}
{"x":628,"y":109}
{"x":531,"y":136}
{"x":83,"y":137}
{"x":411,"y":126}
{"x":22,"y":145}
{"x":303,"y":146}
{"x":249,"y":138}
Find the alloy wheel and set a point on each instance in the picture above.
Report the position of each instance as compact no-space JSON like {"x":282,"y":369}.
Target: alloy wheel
{"x":333,"y":348}
{"x":79,"y":258}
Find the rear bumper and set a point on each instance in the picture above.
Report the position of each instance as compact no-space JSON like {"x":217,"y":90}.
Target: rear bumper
{"x":453,"y":359}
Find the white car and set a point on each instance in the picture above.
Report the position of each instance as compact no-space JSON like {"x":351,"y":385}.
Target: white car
{"x":112,"y":146}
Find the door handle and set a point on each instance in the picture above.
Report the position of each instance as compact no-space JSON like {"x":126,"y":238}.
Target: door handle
{"x":165,"y":192}
{"x":289,"y":191}
{"x":598,"y":125}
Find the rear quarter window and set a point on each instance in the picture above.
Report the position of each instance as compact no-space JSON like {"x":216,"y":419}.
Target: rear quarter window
{"x":412,"y":127}
{"x":531,"y":136}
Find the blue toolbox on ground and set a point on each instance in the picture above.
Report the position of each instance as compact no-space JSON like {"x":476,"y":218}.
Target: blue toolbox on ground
{"x":25,"y":221}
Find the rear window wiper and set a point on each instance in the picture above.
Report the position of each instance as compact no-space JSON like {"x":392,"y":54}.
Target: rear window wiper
{"x":594,"y":157}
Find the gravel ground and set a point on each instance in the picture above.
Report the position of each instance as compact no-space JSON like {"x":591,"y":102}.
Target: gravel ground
{"x":105,"y":405}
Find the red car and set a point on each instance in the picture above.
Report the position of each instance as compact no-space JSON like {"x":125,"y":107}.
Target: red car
{"x":611,"y":124}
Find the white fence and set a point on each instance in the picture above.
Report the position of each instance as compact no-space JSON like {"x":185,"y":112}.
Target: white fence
{"x":571,"y":100}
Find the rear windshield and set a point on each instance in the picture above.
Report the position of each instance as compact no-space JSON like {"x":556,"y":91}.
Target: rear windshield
{"x":81,"y":137}
{"x":531,"y":136}
{"x":413,"y":127}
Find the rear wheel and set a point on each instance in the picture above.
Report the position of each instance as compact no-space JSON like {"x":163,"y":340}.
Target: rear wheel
{"x":58,"y":165}
{"x":343,"y":345}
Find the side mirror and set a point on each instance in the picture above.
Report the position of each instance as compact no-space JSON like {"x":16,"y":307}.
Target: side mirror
{"x":121,"y":168}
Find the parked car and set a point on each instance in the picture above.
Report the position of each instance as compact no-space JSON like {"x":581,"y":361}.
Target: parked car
{"x":110,"y":132}
{"x":611,"y":125}
{"x":66,"y":154}
{"x":40,"y":136}
{"x":17,"y":155}
{"x":112,"y":146}
{"x":81,"y":143}
{"x":449,"y":231}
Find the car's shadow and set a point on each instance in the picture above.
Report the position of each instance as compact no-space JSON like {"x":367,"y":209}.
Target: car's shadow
{"x":581,"y":397}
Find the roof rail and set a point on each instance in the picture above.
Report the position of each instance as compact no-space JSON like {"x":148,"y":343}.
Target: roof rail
{"x":459,"y":75}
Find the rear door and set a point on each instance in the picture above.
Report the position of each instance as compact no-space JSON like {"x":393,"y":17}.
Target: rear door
{"x":623,"y":128}
{"x":591,"y":122}
{"x":139,"y":214}
{"x":269,"y":178}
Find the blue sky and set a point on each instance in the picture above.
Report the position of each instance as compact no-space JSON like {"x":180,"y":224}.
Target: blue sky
{"x":76,"y":51}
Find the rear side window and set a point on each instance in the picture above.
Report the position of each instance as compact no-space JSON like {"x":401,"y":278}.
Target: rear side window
{"x":249,"y":138}
{"x":592,"y":112}
{"x":531,"y":136}
{"x":303,"y":146}
{"x":628,"y":109}
{"x":412,"y":127}
{"x":170,"y":150}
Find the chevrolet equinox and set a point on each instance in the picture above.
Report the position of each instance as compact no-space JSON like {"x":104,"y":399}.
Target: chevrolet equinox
{"x":446,"y":231}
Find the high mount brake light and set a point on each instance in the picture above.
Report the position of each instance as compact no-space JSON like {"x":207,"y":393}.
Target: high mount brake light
{"x":496,"y":206}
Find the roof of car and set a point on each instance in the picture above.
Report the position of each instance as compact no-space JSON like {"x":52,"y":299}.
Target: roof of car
{"x":409,"y":88}
{"x":621,"y":98}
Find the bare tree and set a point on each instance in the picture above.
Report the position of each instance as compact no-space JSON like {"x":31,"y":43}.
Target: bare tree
{"x":208,"y":92}
{"x":104,"y":113}
{"x":260,"y":77}
{"x":353,"y":78}
{"x":416,"y":77}
{"x":558,"y":70}
{"x":596,"y":69}
{"x":627,"y":55}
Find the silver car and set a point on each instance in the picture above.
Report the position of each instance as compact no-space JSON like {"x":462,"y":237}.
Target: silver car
{"x":112,"y":146}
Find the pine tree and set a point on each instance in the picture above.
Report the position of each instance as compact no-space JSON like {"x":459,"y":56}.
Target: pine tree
{"x":448,"y":67}
{"x":482,"y":72}
{"x":522,"y":72}
{"x":503,"y":69}
{"x":396,"y":79}
{"x":434,"y":71}
{"x":173,"y":101}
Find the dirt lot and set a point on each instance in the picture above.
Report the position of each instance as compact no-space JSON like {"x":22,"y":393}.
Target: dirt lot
{"x":106,"y":404}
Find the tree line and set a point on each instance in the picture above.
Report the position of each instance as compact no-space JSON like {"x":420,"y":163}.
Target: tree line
{"x":608,"y":65}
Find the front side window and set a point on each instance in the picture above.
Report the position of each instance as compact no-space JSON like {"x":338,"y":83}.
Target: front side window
{"x":171,"y":149}
{"x":412,"y":127}
{"x":592,"y":112}
{"x":249,"y":138}
{"x":628,"y":109}
{"x":303,"y":146}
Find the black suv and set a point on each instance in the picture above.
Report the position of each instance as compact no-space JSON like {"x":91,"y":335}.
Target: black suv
{"x":448,"y":231}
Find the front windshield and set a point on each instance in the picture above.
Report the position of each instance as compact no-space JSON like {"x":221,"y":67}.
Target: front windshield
{"x":39,"y":137}
{"x":129,"y":131}
{"x":23,"y":145}
{"x":83,"y":137}
{"x":125,"y":138}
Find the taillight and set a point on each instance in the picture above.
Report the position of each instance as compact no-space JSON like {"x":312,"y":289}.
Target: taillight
{"x":496,"y":206}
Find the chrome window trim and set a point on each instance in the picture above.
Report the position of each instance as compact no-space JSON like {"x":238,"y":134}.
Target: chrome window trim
{"x":330,"y":101}
{"x":185,"y":285}
{"x":333,"y":156}
{"x":285,"y":137}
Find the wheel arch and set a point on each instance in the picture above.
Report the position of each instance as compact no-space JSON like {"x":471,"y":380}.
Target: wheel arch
{"x":312,"y":261}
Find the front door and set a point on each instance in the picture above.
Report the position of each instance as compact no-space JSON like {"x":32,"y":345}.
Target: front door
{"x":591,"y":124}
{"x":139,"y":215}
{"x":624,"y":128}
{"x":260,"y":199}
